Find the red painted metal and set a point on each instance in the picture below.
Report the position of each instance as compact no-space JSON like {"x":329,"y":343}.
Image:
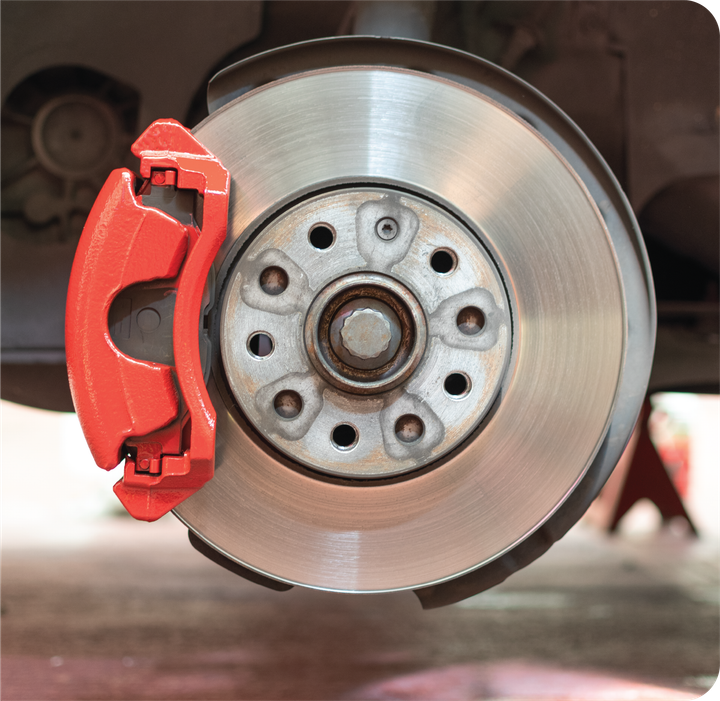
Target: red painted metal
{"x":130,"y":408}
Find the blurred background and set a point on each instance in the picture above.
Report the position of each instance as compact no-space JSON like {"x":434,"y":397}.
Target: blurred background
{"x":98,"y":606}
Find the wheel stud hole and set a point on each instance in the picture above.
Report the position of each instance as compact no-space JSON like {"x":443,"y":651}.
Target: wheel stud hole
{"x":273,"y":280}
{"x":470,"y":321}
{"x":409,"y":428}
{"x":457,"y":385}
{"x":321,"y":236}
{"x":443,"y":261}
{"x":344,"y":437}
{"x":288,"y":404}
{"x":260,"y":345}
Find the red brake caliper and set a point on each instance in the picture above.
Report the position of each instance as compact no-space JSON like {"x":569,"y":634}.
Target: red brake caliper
{"x":127,"y":407}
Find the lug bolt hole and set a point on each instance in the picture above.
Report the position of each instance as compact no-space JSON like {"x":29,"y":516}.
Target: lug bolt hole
{"x":443,"y":261}
{"x":409,"y":428}
{"x":457,"y":385}
{"x":322,"y":236}
{"x":344,"y":437}
{"x":260,"y":345}
{"x":288,"y":404}
{"x":470,"y":321}
{"x":273,"y":280}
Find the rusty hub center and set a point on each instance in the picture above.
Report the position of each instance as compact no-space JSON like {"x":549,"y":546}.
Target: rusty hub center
{"x":365,"y":333}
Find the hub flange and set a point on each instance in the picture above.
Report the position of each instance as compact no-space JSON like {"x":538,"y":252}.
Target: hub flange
{"x":349,"y":349}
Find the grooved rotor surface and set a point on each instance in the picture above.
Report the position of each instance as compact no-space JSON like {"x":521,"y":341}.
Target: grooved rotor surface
{"x":566,"y":308}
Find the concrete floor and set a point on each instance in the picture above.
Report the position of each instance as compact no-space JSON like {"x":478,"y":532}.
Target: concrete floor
{"x":131,"y":611}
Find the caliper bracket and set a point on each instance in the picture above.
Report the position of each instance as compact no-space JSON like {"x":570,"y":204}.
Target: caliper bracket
{"x":130,"y":408}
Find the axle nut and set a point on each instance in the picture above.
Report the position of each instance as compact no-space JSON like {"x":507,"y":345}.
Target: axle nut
{"x":366,"y":333}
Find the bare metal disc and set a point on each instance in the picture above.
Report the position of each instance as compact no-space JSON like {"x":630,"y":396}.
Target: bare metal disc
{"x":549,"y":241}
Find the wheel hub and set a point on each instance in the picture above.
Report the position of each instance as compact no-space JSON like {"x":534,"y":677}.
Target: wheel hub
{"x":347,"y":342}
{"x":365,"y":333}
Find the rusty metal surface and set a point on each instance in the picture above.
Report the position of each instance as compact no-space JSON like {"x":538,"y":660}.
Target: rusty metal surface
{"x":537,"y":218}
{"x":361,"y":265}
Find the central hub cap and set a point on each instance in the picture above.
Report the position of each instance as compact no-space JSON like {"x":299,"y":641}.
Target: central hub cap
{"x":365,"y":333}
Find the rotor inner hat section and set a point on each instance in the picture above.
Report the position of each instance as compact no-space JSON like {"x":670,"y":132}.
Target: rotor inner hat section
{"x":365,"y":332}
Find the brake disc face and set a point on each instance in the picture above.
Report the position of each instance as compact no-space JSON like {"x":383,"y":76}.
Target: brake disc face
{"x":420,"y":336}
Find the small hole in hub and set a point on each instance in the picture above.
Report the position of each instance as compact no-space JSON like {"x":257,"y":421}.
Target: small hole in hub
{"x":344,"y":437}
{"x":288,"y":404}
{"x":260,"y":345}
{"x":470,"y":321}
{"x":443,"y":261}
{"x":409,"y":428}
{"x":457,"y":385}
{"x":321,"y":236}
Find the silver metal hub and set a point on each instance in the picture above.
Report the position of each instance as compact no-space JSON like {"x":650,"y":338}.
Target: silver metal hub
{"x":351,"y":310}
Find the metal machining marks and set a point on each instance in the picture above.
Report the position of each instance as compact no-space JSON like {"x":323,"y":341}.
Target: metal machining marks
{"x":510,"y":193}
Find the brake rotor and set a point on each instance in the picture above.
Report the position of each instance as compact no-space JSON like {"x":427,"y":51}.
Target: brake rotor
{"x":465,"y":326}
